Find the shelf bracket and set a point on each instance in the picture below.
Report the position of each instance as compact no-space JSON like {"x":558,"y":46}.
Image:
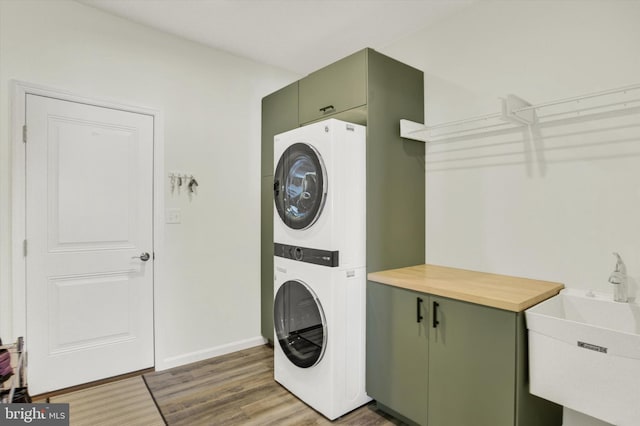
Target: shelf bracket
{"x":517,"y":111}
{"x":412,"y":130}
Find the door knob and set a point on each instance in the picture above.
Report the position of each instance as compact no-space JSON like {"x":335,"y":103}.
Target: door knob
{"x":144,"y":257}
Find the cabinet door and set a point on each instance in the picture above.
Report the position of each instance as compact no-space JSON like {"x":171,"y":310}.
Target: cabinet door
{"x":335,"y":88}
{"x":279,"y":114}
{"x":397,"y":346}
{"x":266,"y":258}
{"x":471,"y":365}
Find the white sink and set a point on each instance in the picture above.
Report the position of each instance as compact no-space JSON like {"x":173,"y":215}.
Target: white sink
{"x":584,"y":353}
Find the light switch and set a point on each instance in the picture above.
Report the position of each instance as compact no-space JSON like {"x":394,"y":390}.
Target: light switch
{"x":173,"y":216}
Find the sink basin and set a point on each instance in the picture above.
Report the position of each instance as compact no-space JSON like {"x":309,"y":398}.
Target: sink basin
{"x":584,"y":353}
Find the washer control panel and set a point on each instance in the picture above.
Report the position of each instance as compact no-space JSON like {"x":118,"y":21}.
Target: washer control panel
{"x":305,"y":254}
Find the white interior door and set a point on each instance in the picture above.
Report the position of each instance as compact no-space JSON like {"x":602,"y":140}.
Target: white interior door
{"x":89,"y":210}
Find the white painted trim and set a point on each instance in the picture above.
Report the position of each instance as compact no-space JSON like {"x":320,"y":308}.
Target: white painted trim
{"x":203,"y":354}
{"x":18,"y":264}
{"x":18,"y":214}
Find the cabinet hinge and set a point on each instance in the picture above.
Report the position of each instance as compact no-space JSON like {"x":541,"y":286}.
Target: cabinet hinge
{"x":24,"y":133}
{"x":24,"y":248}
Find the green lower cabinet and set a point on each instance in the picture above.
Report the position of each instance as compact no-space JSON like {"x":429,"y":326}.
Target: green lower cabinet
{"x":397,"y":350}
{"x":472,"y":365}
{"x":435,"y":361}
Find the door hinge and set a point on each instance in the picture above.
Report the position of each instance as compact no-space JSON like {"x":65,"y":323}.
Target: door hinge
{"x":24,"y":133}
{"x":24,"y":248}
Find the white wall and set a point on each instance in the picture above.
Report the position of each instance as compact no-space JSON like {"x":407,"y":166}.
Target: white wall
{"x":555,"y":207}
{"x":209,"y":294}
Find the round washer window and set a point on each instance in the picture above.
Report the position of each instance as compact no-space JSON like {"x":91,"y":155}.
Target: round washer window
{"x":299,"y":186}
{"x":300,"y":324}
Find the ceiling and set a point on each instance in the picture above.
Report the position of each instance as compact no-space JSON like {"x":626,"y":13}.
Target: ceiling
{"x":296,"y":35}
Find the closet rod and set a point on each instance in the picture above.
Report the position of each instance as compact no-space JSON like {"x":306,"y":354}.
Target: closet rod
{"x":580,"y":110}
{"x":579,"y":98}
{"x":467,"y":120}
{"x":462,"y":132}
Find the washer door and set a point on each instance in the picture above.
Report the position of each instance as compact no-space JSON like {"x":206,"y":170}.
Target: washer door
{"x":299,"y":186}
{"x":300,"y":324}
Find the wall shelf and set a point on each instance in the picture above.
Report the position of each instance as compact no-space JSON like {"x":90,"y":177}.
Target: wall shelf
{"x":517,"y":113}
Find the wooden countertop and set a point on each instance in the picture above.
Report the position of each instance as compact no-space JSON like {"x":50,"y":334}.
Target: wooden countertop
{"x":498,"y":291}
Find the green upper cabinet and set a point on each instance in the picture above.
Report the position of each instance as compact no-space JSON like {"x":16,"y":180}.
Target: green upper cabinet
{"x":375,"y":90}
{"x":279,"y":114}
{"x":333,"y":89}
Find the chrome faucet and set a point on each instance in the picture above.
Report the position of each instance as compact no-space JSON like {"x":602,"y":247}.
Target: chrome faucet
{"x":619,"y":280}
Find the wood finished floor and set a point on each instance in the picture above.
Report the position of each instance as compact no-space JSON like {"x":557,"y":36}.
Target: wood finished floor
{"x":238,"y":389}
{"x":124,"y":402}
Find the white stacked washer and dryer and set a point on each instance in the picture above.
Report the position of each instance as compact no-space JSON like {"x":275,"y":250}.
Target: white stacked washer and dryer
{"x":320,"y":265}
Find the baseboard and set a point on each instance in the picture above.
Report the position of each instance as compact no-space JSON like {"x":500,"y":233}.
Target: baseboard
{"x":188,"y":358}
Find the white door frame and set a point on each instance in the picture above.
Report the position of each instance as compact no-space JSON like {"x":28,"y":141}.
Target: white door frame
{"x":18,"y":195}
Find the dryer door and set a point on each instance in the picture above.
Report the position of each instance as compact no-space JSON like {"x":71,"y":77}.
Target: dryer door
{"x":300,"y":324}
{"x":300,"y":186}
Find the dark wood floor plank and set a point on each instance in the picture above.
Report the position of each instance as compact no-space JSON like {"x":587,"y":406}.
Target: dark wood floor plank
{"x":239,"y":389}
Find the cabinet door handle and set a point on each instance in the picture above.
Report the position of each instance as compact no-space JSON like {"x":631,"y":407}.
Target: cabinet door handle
{"x":418,"y":303}
{"x":435,"y":314}
{"x":327,"y":109}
